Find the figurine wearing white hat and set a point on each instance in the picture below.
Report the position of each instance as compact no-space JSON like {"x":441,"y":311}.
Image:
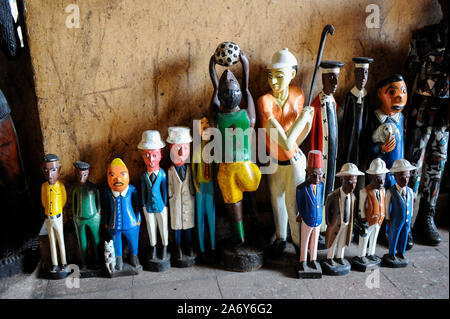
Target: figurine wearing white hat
{"x":399,"y":211}
{"x":371,"y":216}
{"x":287,"y":124}
{"x":340,"y":211}
{"x":154,"y":199}
{"x":181,"y":194}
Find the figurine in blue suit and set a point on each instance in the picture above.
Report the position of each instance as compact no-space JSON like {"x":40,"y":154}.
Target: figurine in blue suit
{"x":386,"y":124}
{"x":399,"y":211}
{"x":154,"y":192}
{"x":310,"y":203}
{"x":122,"y":214}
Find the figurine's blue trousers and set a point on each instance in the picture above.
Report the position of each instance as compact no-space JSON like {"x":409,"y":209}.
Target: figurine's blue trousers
{"x":206,"y":208}
{"x":132,"y":237}
{"x":398,"y":237}
{"x":187,"y":233}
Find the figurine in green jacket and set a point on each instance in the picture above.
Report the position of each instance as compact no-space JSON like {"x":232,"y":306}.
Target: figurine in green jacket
{"x":86,"y":210}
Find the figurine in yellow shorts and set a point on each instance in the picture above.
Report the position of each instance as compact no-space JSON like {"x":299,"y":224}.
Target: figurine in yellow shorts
{"x":237,"y":174}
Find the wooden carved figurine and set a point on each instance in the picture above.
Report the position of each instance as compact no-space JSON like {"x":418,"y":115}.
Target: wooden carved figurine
{"x":324,"y":131}
{"x":356,"y":111}
{"x":340,"y":209}
{"x":399,"y":211}
{"x":86,"y":210}
{"x":287,"y":124}
{"x":310,"y":212}
{"x":371,"y":215}
{"x":385,"y":126}
{"x":154,"y":199}
{"x":428,"y":120}
{"x":181,"y":195}
{"x":237,"y":173}
{"x":54,"y":197}
{"x":204,"y":186}
{"x":122,"y":218}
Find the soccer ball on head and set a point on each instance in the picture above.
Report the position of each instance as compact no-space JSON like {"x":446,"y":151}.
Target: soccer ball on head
{"x":227,"y":53}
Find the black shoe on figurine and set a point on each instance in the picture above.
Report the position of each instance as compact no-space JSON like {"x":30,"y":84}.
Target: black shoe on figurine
{"x":54,"y":269}
{"x":178,"y":252}
{"x":278,"y":247}
{"x":427,"y":231}
{"x":152,"y":253}
{"x":410,"y":242}
{"x":164,"y":253}
{"x":191,"y":252}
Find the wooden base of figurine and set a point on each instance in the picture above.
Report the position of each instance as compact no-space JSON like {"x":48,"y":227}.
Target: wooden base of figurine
{"x":243,"y":258}
{"x":157,"y":264}
{"x":183,"y":262}
{"x":366,"y":263}
{"x":337,"y":267}
{"x":127,"y":270}
{"x":55,"y":275}
{"x":208,"y":257}
{"x":311,"y":270}
{"x":90,"y":272}
{"x":394,"y":261}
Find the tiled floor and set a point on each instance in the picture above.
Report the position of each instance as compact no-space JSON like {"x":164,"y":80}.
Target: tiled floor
{"x":427,"y":276}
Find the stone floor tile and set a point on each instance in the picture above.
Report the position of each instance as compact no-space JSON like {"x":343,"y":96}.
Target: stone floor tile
{"x":106,"y":294}
{"x":184,"y":289}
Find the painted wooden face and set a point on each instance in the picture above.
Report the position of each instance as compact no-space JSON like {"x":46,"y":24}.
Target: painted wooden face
{"x":393,"y":97}
{"x":330,"y":82}
{"x":179,"y":153}
{"x":279,"y":79}
{"x":152,"y":159}
{"x":118,"y":178}
{"x":377,"y":181}
{"x":51,"y":171}
{"x":402,"y":178}
{"x":83,"y":176}
{"x":349,"y":183}
{"x":314,"y":175}
{"x":361,"y":76}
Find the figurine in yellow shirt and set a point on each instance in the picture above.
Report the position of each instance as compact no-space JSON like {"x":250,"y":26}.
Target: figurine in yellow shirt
{"x":53,"y":197}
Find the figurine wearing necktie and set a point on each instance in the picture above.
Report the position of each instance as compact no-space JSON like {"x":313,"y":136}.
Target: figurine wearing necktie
{"x":154,"y":199}
{"x":310,"y":211}
{"x":399,"y":211}
{"x":54,"y":197}
{"x":340,"y":210}
{"x":122,"y":214}
{"x":371,"y":215}
{"x":181,"y":194}
{"x":204,"y":186}
{"x":385,"y":126}
{"x":356,"y":111}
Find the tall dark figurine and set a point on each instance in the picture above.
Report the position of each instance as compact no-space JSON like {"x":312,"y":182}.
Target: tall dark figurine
{"x":324,"y":131}
{"x":86,"y":210}
{"x":428,"y":119}
{"x":356,"y":111}
{"x":385,"y":128}
{"x":399,"y":211}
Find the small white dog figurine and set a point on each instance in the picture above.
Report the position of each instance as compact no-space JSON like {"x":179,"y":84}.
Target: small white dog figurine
{"x":384,"y":132}
{"x":110,"y":256}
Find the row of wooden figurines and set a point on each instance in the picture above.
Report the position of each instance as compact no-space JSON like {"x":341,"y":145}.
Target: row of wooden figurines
{"x":122,"y":212}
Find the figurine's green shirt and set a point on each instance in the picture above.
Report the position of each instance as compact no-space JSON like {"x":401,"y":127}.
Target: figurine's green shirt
{"x":235,"y":143}
{"x":85,"y":200}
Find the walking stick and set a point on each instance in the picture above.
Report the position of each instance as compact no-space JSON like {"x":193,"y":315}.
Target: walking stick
{"x":328,"y":29}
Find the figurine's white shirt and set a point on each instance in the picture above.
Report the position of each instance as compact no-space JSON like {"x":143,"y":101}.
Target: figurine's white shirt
{"x":123,"y":193}
{"x":359,"y":94}
{"x":383,"y":117}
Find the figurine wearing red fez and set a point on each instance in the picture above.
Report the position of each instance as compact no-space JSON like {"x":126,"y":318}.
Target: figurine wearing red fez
{"x":309,"y":203}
